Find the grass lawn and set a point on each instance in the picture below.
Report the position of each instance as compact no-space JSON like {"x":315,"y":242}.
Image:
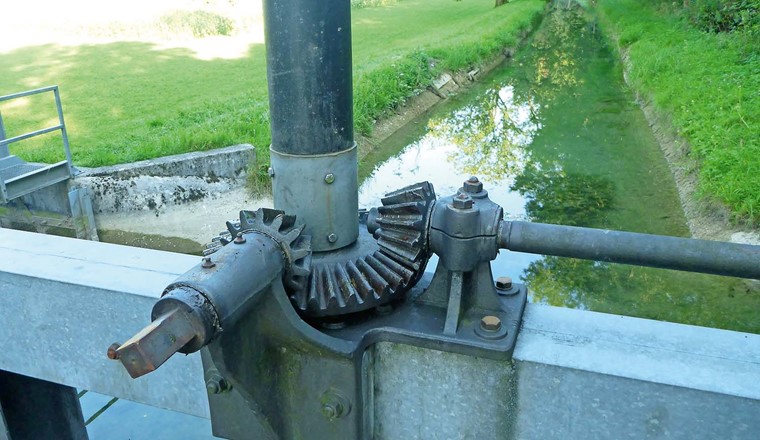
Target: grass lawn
{"x":127,"y":101}
{"x":709,"y":83}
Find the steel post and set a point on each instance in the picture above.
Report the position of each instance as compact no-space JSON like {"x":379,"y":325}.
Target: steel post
{"x":4,"y":149}
{"x":24,"y":400}
{"x":314,"y":166}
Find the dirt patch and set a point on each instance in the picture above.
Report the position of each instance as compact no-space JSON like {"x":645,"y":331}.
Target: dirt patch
{"x":707,"y":218}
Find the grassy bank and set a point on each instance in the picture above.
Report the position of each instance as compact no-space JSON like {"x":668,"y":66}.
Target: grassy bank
{"x":127,"y":101}
{"x":709,"y":84}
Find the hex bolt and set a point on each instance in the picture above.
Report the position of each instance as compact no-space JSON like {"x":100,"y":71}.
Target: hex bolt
{"x":504,"y":283}
{"x":332,"y":410}
{"x":462,"y":201}
{"x":270,"y":171}
{"x":329,"y":178}
{"x":112,"y":353}
{"x":490,"y":323}
{"x":239,"y":239}
{"x":216,"y":385}
{"x":207,"y":263}
{"x":472,"y":185}
{"x":332,"y":238}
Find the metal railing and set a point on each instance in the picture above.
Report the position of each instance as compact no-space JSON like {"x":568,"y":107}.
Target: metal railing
{"x":5,"y":142}
{"x":26,"y":178}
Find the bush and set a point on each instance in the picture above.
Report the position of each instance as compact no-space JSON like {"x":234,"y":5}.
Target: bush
{"x":724,"y":15}
{"x":197,"y":23}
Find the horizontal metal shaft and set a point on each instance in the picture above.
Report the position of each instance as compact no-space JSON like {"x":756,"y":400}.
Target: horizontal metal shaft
{"x":714,"y":257}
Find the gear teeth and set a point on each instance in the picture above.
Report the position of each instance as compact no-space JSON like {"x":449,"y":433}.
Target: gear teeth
{"x":386,"y":271}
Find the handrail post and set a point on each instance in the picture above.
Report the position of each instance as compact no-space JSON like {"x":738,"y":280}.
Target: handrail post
{"x":4,"y":149}
{"x":65,"y":136}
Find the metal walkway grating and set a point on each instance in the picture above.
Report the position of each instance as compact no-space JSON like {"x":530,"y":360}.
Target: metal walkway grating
{"x":18,"y":170}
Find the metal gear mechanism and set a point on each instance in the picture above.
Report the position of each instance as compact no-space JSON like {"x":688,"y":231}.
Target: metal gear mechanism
{"x":387,"y":259}
{"x":275,"y":224}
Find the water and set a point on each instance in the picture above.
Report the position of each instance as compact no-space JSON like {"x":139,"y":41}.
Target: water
{"x":557,"y":138}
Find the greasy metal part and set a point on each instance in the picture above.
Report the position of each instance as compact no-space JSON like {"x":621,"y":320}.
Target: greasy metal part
{"x":719,"y":258}
{"x":328,"y":209}
{"x":373,"y":271}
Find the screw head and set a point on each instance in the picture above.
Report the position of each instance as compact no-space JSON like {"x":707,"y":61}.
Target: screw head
{"x":504,"y":283}
{"x":490,"y":323}
{"x":332,"y":410}
{"x":462,"y":201}
{"x":270,"y":171}
{"x":329,"y":178}
{"x":207,"y":263}
{"x":239,"y":239}
{"x":332,"y":237}
{"x":472,"y":185}
{"x":112,"y":353}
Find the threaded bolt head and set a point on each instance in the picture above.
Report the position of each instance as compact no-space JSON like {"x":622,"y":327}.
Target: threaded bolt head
{"x":332,"y":237}
{"x":329,"y":178}
{"x":504,"y":283}
{"x":270,"y":171}
{"x":207,"y":263}
{"x":490,"y":323}
{"x":462,"y":201}
{"x":239,"y":239}
{"x":472,"y":185}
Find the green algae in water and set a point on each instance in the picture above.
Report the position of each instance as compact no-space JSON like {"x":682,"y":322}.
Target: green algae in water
{"x":557,"y":138}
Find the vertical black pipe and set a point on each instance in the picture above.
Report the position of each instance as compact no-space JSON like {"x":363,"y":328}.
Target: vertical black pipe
{"x":313,"y":154}
{"x":309,"y":71}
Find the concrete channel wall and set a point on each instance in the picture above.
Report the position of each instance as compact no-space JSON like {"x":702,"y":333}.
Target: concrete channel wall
{"x":576,"y":374}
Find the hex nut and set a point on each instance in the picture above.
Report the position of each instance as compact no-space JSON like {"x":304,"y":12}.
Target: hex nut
{"x":472,"y":185}
{"x":504,"y":283}
{"x":490,"y":323}
{"x":462,"y":201}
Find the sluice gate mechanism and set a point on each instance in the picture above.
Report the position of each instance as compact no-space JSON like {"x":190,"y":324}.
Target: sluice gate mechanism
{"x":286,"y":302}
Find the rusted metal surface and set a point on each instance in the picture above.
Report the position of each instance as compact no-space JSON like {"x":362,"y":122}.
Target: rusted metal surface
{"x":156,"y":343}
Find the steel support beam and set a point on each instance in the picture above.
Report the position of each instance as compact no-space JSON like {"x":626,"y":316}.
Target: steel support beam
{"x":575,"y":374}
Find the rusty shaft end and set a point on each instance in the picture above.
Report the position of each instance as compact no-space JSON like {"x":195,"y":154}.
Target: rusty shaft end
{"x":156,"y":343}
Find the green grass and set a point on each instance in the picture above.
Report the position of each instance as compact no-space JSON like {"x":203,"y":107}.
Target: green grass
{"x":708,"y":83}
{"x":128,"y":101}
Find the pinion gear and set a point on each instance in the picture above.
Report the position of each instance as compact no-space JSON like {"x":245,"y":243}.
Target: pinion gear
{"x":273,"y":223}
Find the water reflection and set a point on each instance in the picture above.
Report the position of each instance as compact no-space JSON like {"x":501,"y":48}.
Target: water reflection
{"x":554,"y":139}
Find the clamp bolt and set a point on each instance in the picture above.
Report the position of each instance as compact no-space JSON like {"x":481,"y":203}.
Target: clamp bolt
{"x":462,"y":201}
{"x":329,"y":178}
{"x":472,"y":185}
{"x":207,"y":263}
{"x":490,"y":323}
{"x":239,"y":239}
